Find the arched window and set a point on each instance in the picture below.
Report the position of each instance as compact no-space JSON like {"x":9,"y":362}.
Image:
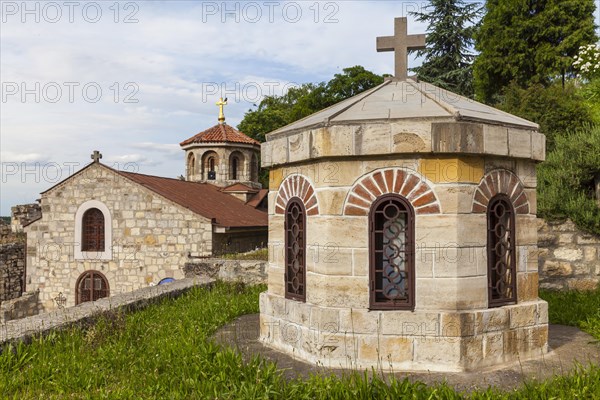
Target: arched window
{"x":234,"y":168}
{"x":391,"y":254}
{"x":191,"y":165}
{"x":92,"y":232}
{"x":91,"y":286}
{"x":502,"y":270}
{"x":236,"y":165}
{"x":295,"y":250}
{"x":210,"y":162}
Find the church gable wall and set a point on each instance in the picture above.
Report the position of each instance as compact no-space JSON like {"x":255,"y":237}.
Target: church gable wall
{"x":151,"y":237}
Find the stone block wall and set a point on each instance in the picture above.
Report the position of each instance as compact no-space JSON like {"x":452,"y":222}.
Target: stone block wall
{"x":23,"y":214}
{"x":250,"y":272}
{"x":151,"y":237}
{"x":18,"y":308}
{"x":12,"y":271}
{"x":569,"y":259}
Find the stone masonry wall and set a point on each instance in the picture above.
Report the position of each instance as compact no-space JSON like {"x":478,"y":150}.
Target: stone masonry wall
{"x":12,"y":270}
{"x":23,"y":214}
{"x":568,"y":258}
{"x":151,"y":237}
{"x":20,"y":307}
{"x":250,"y":272}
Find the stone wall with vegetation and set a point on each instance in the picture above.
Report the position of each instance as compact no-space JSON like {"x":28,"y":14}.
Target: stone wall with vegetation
{"x":569,"y":259}
{"x":251,"y":272}
{"x":85,"y":313}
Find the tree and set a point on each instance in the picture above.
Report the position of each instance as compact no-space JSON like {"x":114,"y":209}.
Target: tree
{"x":555,"y":108}
{"x":529,"y":42}
{"x":448,"y":59}
{"x":273,"y":112}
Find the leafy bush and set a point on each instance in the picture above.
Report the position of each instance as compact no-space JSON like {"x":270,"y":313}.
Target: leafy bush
{"x":566,"y":179}
{"x":556,"y":109}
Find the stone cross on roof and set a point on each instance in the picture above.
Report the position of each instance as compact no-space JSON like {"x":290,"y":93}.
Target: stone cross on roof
{"x":96,"y":156}
{"x":401,"y":43}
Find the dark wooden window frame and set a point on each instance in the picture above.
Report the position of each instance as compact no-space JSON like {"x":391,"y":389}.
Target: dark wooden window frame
{"x":92,"y":274}
{"x":495,"y":297}
{"x":300,"y":257}
{"x":93,"y":230}
{"x":376,"y":303}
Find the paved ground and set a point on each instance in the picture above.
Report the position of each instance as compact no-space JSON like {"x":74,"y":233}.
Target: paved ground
{"x":569,"y":346}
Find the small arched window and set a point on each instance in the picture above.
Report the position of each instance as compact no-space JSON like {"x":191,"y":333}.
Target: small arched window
{"x":234,"y":168}
{"x":295,"y":250}
{"x":92,"y":232}
{"x":91,"y":286}
{"x":502,"y":270}
{"x":191,"y":165}
{"x":391,"y":254}
{"x":211,"y":164}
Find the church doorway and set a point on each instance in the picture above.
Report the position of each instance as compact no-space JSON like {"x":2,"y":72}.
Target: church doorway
{"x":91,"y":286}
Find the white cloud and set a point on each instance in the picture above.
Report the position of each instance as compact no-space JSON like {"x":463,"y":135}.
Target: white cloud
{"x":174,"y":56}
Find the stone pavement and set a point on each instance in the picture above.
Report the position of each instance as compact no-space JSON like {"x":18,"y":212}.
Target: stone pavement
{"x":568,"y":347}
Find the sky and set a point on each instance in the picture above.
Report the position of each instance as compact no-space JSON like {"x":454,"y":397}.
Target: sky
{"x":133,"y":79}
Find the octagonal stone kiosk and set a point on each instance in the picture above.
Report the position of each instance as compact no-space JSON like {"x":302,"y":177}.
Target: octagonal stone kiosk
{"x":402,"y":234}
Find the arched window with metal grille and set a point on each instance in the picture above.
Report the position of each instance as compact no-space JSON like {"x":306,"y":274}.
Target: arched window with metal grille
{"x":91,"y":286}
{"x":295,"y":250}
{"x":502,"y":270}
{"x":391,"y":254}
{"x":92,"y":232}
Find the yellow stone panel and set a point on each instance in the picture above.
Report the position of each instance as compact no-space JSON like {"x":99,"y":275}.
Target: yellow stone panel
{"x":275,"y":178}
{"x":452,"y":170}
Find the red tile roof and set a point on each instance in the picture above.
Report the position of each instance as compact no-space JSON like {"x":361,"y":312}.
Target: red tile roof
{"x":258,"y":198}
{"x":203,"y":199}
{"x":218,"y":134}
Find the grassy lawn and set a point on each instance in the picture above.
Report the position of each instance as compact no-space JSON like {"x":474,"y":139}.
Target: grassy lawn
{"x":165,"y":352}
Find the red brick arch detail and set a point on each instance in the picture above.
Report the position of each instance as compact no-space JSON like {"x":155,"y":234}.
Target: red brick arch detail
{"x":391,"y":180}
{"x":297,"y":186}
{"x":500,"y":181}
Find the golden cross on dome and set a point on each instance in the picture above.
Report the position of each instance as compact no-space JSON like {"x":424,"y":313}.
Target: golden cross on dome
{"x":401,"y":43}
{"x":221,"y":103}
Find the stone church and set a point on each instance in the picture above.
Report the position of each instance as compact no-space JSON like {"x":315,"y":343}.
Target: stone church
{"x":103,"y":231}
{"x":403,"y":228}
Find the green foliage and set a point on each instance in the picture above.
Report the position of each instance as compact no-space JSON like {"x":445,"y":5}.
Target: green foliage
{"x":448,"y":60}
{"x":274,"y":112}
{"x":566,"y":179}
{"x":574,"y":308}
{"x":260,"y":254}
{"x":165,"y":351}
{"x":529,"y":42}
{"x":555,"y":108}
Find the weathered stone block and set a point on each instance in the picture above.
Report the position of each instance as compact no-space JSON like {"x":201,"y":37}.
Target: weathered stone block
{"x":495,"y":140}
{"x":519,"y":143}
{"x":373,"y":139}
{"x":455,"y":199}
{"x":522,"y":315}
{"x":351,"y":292}
{"x":360,"y":321}
{"x":411,"y":137}
{"x":332,"y":141}
{"x":415,"y":324}
{"x":457,"y":137}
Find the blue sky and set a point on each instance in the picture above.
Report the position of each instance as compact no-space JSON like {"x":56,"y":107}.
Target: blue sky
{"x":133,"y":79}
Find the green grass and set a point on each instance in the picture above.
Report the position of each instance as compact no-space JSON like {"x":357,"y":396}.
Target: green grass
{"x":165,"y":352}
{"x":580,"y":309}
